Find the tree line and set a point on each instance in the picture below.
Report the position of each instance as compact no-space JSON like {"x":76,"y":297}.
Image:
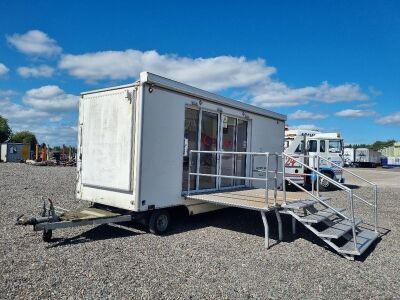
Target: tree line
{"x":24,"y":136}
{"x":378,"y":145}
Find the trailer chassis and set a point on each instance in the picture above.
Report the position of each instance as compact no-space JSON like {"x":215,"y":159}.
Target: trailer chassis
{"x":58,"y":218}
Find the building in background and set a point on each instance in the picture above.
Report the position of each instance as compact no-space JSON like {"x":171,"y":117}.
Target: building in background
{"x":14,"y":152}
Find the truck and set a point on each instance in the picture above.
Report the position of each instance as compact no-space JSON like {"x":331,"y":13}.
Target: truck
{"x":312,"y":147}
{"x":367,"y":158}
{"x":349,"y":156}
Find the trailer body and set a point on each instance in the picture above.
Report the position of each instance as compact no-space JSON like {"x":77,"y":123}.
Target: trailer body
{"x":349,"y":156}
{"x":365,"y":157}
{"x":134,"y":143}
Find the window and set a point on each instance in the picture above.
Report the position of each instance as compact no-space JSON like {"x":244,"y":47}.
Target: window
{"x":335,"y":146}
{"x":322,"y":146}
{"x":312,"y":146}
{"x":300,"y":148}
{"x":190,"y":143}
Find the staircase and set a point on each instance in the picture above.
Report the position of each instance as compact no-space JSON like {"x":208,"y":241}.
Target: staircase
{"x":337,"y":227}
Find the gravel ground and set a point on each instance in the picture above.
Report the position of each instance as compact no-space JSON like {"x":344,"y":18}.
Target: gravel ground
{"x":214,"y":255}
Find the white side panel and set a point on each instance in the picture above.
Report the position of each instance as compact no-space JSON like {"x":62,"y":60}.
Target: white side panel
{"x":267,"y":136}
{"x":3,"y":152}
{"x":111,"y":192}
{"x":107,"y":140}
{"x":163,"y":144}
{"x":162,"y":148}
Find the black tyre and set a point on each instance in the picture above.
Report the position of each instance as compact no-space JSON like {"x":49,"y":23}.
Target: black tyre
{"x":47,"y":234}
{"x":325,"y":185}
{"x":159,"y":222}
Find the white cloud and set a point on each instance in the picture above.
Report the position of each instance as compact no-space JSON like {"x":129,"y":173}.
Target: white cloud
{"x":270,"y":93}
{"x":214,"y":73}
{"x":35,"y":43}
{"x":3,"y":69}
{"x":355,"y":113}
{"x":50,"y":134}
{"x":7,"y":93}
{"x":23,"y":117}
{"x":39,"y":71}
{"x":306,"y":115}
{"x":393,"y":119}
{"x":50,"y":98}
{"x":306,"y":127}
{"x":17,"y":113}
{"x":252,"y":77}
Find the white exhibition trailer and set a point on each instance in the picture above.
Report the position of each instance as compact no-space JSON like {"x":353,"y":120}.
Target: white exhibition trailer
{"x":134,"y":142}
{"x":157,"y":144}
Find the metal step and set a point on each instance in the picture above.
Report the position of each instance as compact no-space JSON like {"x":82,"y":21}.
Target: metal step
{"x":364,"y":239}
{"x":320,"y":215}
{"x":303,"y":203}
{"x":338,"y":229}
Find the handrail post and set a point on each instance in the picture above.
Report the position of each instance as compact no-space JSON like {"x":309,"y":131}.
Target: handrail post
{"x":283,"y":178}
{"x":318,"y":175}
{"x":353,"y":220}
{"x":312,"y":178}
{"x":266,"y":179}
{"x":189,"y":170}
{"x":276,"y":178}
{"x":376,"y":207}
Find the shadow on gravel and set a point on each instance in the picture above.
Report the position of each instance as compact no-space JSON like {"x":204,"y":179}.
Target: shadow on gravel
{"x":250,"y":222}
{"x":101,"y":232}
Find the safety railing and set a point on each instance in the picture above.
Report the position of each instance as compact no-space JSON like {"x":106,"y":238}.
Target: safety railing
{"x":374,"y":186}
{"x":219,"y":174}
{"x":319,"y":175}
{"x":313,"y":172}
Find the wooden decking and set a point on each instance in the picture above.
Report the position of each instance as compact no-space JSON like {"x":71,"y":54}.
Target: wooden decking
{"x":248,"y":198}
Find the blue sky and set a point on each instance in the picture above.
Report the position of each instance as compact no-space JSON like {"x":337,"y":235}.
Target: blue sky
{"x":332,"y":65}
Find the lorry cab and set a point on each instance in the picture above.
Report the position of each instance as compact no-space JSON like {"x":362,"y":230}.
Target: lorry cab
{"x":306,"y":146}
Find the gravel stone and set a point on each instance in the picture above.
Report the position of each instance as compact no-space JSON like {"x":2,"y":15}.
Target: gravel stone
{"x":218,"y":255}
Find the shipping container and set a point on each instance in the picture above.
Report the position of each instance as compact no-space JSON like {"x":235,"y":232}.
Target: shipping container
{"x":14,"y":152}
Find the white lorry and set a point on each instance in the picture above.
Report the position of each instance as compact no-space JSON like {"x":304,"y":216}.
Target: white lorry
{"x":349,"y":156}
{"x":367,"y":158}
{"x":306,"y":146}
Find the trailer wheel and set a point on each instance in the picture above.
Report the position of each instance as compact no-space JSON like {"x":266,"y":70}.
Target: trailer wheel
{"x":324,"y":184}
{"x":159,"y":222}
{"x":47,"y":234}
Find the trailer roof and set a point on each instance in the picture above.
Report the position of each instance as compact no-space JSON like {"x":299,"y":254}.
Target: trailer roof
{"x":157,"y":80}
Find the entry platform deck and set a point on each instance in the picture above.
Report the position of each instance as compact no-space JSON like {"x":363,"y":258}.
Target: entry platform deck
{"x":249,"y":198}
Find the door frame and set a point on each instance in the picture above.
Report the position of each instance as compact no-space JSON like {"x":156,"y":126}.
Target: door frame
{"x":220,"y":115}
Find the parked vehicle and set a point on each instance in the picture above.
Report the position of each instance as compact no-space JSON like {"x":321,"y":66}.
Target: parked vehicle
{"x":348,"y":157}
{"x":312,"y":147}
{"x":367,"y":158}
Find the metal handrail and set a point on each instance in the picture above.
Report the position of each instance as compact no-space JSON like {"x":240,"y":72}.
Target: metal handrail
{"x":266,"y":179}
{"x":218,"y":175}
{"x":318,"y":199}
{"x":341,"y":186}
{"x":348,"y":171}
{"x":374,"y":186}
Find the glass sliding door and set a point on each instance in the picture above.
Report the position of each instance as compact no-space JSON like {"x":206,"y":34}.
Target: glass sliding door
{"x":191,"y":137}
{"x":204,"y":132}
{"x":241,"y":146}
{"x":228,"y":143}
{"x":209,"y":142}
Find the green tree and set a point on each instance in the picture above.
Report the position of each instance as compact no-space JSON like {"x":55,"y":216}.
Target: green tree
{"x":26,"y":137}
{"x":5,"y":130}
